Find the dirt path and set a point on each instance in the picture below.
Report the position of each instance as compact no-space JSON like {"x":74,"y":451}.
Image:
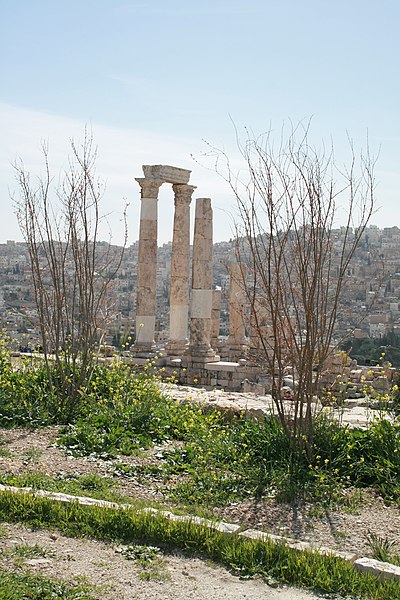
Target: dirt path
{"x":176,"y":577}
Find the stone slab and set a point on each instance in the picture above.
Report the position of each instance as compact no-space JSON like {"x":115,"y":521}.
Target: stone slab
{"x":223,"y":366}
{"x":166,"y":172}
{"x":376,"y":567}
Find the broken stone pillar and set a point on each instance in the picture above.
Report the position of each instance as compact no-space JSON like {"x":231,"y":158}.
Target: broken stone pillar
{"x":179,"y":290}
{"x":201,"y":305}
{"x":260,"y":329}
{"x":215,"y":318}
{"x":236,"y":343}
{"x":147,"y":267}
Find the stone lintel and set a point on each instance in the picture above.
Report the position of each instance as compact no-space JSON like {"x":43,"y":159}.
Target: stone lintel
{"x":136,"y":360}
{"x":167,"y":173}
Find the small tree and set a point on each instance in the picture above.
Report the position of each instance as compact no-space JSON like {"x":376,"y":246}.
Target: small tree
{"x":297,"y":260}
{"x":71,"y":271}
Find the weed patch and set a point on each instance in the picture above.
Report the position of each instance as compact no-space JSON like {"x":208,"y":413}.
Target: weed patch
{"x":20,"y":586}
{"x":148,"y":559}
{"x":382,"y":548}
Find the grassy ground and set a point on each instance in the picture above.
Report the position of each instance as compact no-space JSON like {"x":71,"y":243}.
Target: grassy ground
{"x":272,"y":561}
{"x":209,"y":462}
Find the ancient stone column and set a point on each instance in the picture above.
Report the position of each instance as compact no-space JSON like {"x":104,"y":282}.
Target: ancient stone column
{"x":215,"y":318}
{"x":200,"y":322}
{"x":260,"y":328}
{"x":179,"y":286}
{"x":236,"y":343}
{"x":147,"y":267}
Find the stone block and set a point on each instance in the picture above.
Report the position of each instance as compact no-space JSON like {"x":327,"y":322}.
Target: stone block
{"x":167,"y":173}
{"x":237,"y":377}
{"x":223,"y":382}
{"x":381,"y":384}
{"x":355,"y":375}
{"x":226,"y":527}
{"x":376,"y":567}
{"x":223,"y":366}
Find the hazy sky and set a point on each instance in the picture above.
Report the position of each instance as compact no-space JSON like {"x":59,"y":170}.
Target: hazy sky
{"x":154,"y":78}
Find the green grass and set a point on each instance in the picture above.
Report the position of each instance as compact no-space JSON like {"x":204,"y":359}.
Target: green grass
{"x":4,"y":452}
{"x":32,"y":455}
{"x":92,"y":484}
{"x":24,"y":586}
{"x":31,"y":551}
{"x":149,"y":559}
{"x":243,"y":556}
{"x":382,"y":548}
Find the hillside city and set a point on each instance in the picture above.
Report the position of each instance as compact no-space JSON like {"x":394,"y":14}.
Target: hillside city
{"x":370,"y":306}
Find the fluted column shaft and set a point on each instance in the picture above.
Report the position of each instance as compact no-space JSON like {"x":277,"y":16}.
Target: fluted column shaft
{"x":146,"y":300}
{"x":179,"y":279}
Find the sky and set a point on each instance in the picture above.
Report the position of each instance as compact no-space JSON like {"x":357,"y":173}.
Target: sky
{"x":158,"y":81}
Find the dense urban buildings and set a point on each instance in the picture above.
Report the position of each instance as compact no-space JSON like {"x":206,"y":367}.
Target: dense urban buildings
{"x":370,"y":306}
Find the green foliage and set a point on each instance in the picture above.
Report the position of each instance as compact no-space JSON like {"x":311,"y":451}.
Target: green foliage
{"x":4,"y":452}
{"x":23,"y":586}
{"x":25,"y":394}
{"x":369,"y":350}
{"x":363,"y":458}
{"x":124,"y":412}
{"x":29,"y":398}
{"x":92,"y":484}
{"x":149,"y":559}
{"x":248,"y":459}
{"x":140,"y":553}
{"x":35,"y":551}
{"x":245,"y":557}
{"x":208,"y":459}
{"x":382,"y":548}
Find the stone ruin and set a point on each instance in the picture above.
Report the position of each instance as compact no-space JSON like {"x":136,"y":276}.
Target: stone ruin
{"x":190,"y":353}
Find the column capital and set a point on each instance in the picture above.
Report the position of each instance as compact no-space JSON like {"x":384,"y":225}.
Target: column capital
{"x":183,"y":192}
{"x":149,"y":186}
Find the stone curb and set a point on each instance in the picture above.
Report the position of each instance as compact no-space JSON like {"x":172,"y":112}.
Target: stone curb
{"x":376,"y":567}
{"x":369,"y":565}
